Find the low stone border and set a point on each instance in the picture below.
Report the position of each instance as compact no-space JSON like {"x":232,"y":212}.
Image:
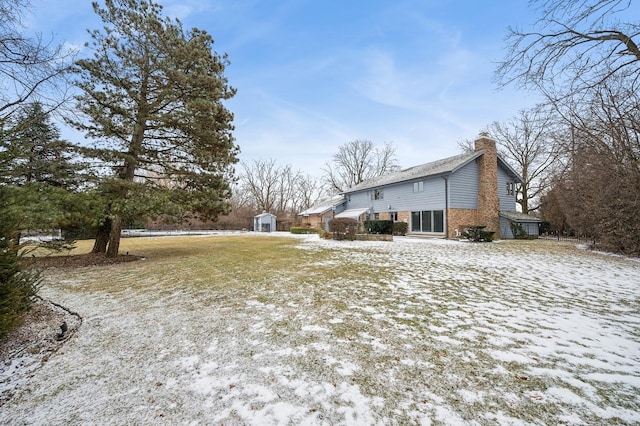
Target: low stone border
{"x":374,"y":237}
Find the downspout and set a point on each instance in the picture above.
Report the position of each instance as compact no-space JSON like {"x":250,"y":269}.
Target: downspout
{"x":446,"y":207}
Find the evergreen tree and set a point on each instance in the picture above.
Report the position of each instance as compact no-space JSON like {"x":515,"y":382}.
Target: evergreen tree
{"x":33,"y":151}
{"x":39,"y":171}
{"x":152,"y":99}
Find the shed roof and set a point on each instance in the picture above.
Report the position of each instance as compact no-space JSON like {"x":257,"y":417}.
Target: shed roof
{"x":519,"y":217}
{"x":434,"y":168}
{"x":264,"y":214}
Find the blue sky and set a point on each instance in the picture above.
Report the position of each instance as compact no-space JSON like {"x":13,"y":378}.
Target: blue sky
{"x":312,"y":75}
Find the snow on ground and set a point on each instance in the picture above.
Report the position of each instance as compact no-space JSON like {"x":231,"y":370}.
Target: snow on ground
{"x":508,"y":333}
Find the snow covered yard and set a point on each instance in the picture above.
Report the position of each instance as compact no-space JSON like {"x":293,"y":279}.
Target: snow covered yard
{"x":357,"y":333}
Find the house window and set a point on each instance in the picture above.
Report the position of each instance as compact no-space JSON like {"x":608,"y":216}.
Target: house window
{"x":427,"y":221}
{"x":376,"y":216}
{"x":418,"y":186}
{"x":377,"y":195}
{"x":511,"y":188}
{"x":393,"y":216}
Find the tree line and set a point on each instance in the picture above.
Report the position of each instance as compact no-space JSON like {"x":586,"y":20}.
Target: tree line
{"x":579,"y":152}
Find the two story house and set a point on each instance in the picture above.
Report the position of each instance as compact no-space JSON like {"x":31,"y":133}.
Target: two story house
{"x":444,"y":197}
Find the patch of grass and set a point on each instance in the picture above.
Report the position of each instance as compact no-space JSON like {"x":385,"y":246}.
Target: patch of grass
{"x":416,"y":327}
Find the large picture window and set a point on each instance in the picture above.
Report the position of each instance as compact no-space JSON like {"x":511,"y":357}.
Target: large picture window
{"x":427,"y":221}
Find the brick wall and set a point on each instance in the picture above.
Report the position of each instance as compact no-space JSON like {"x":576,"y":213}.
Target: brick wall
{"x":404,"y":217}
{"x":459,"y":219}
{"x":488,"y":201}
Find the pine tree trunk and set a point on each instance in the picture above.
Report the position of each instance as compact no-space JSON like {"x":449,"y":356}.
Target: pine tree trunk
{"x":114,"y":238}
{"x":102,"y":237}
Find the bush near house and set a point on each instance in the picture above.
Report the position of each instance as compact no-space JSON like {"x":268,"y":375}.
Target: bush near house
{"x":379,"y":226}
{"x":400,"y":228}
{"x":519,"y":233}
{"x":478,"y":234}
{"x":343,"y":228}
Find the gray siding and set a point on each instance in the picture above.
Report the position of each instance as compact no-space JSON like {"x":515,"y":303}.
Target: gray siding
{"x":400,"y":197}
{"x":507,"y":201}
{"x":358,"y":200}
{"x":463,"y":187}
{"x":505,"y":229}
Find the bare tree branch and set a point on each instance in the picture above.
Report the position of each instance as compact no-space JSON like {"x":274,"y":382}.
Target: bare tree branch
{"x":31,"y":68}
{"x":575,"y":46}
{"x":357,"y":161}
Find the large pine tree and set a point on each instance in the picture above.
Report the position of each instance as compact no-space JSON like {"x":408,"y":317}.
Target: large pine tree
{"x":153,"y":102}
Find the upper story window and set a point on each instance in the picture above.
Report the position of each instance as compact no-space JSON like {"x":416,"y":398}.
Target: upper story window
{"x":511,"y":188}
{"x":418,"y":186}
{"x":377,"y":195}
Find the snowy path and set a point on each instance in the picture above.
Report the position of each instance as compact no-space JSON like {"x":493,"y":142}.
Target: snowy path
{"x":443,"y":332}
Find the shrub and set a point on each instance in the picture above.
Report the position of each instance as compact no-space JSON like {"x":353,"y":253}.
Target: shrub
{"x":478,"y":234}
{"x":379,"y":226}
{"x":18,"y":287}
{"x":343,"y":228}
{"x":400,"y":228}
{"x":324,"y":234}
{"x":518,"y":231}
{"x":303,"y":230}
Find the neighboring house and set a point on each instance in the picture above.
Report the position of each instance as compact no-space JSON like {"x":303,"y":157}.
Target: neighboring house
{"x":444,"y":197}
{"x":264,"y":222}
{"x":319,"y":215}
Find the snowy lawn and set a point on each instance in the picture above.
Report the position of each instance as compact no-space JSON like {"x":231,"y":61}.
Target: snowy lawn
{"x":255,"y":330}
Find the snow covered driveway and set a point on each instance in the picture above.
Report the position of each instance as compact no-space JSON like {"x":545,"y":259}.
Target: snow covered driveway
{"x":365,"y":333}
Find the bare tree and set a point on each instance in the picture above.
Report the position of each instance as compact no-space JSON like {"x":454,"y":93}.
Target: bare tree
{"x":308,"y":192}
{"x":31,"y":68}
{"x":357,"y":161}
{"x":466,"y":145}
{"x":584,"y":57}
{"x":574,"y":46}
{"x":599,"y":192}
{"x":277,"y":189}
{"x":530,"y":143}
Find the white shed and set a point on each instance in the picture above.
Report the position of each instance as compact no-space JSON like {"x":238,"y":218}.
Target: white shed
{"x":264,"y":222}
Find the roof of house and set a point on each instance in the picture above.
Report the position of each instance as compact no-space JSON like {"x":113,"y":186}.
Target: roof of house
{"x":519,"y":216}
{"x":435,"y":168}
{"x":324,"y":206}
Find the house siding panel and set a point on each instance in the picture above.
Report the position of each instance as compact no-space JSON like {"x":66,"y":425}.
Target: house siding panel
{"x":505,"y":228}
{"x":402,"y":198}
{"x":507,"y":201}
{"x":359,"y":200}
{"x":463,"y":187}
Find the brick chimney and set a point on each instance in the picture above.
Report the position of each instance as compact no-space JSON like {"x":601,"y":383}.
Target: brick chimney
{"x":488,"y":201}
